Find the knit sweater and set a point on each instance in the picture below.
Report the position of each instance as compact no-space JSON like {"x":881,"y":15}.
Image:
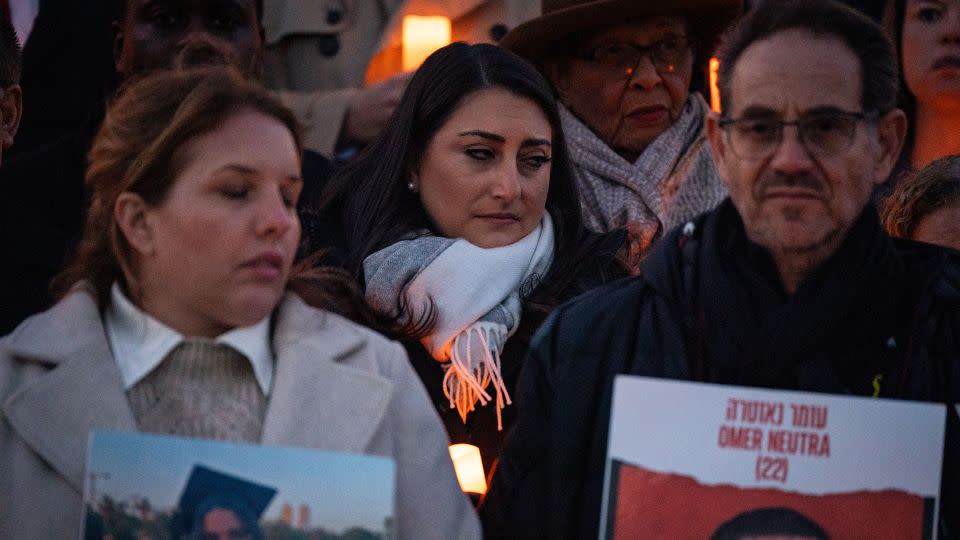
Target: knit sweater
{"x":201,"y":389}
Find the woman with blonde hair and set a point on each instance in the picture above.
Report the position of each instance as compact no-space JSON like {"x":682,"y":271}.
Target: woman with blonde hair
{"x":177,"y":318}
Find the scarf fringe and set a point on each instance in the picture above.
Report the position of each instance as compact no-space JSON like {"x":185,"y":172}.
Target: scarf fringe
{"x":478,"y":297}
{"x":463,"y":384}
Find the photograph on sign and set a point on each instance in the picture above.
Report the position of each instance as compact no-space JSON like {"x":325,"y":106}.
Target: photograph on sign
{"x":158,"y":487}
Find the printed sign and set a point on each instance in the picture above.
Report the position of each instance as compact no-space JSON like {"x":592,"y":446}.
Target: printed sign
{"x":693,"y":460}
{"x":158,"y":487}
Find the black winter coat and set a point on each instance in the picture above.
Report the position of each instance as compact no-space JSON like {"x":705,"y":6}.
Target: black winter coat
{"x":549,"y":480}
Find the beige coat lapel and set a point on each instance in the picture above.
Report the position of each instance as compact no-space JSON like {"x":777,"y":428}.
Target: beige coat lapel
{"x":83,"y":391}
{"x":318,"y":400}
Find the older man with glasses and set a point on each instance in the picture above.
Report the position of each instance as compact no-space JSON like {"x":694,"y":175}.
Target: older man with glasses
{"x":623,"y":70}
{"x":791,"y":283}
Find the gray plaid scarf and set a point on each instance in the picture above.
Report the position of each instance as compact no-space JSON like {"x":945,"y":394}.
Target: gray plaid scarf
{"x":672,"y":181}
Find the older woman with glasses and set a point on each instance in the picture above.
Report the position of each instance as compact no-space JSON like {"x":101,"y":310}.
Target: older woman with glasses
{"x":623,"y":71}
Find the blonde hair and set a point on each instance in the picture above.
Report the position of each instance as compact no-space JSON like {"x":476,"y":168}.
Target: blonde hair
{"x":139,"y":149}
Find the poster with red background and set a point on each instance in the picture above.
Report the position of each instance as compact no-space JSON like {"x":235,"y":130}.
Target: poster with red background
{"x":692,"y":460}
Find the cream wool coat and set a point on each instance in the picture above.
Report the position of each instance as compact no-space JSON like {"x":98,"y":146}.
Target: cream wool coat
{"x":337,"y":386}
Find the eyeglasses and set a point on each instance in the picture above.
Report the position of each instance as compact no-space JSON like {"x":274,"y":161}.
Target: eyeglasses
{"x":622,"y":58}
{"x":822,"y":133}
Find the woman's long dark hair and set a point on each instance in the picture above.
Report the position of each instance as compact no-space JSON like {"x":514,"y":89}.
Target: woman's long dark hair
{"x":894,"y":13}
{"x":371,"y":192}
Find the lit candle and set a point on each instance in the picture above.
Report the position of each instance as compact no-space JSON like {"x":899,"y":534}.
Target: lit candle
{"x":421,"y":37}
{"x":469,"y":468}
{"x":714,"y":87}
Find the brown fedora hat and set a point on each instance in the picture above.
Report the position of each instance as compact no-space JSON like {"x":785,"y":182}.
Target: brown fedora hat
{"x":562,"y":18}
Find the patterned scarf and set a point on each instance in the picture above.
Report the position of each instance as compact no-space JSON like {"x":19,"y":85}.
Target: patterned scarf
{"x":672,"y":181}
{"x":475,"y":295}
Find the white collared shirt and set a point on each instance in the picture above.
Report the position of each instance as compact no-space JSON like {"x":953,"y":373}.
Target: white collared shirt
{"x":140,"y":343}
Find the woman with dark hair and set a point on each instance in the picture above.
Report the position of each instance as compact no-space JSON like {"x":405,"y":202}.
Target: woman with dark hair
{"x":926,"y":208}
{"x":177,"y":318}
{"x":463,"y":221}
{"x":927,"y":37}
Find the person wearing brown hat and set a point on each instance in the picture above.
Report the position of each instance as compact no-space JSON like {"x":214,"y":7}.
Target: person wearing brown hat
{"x":622,"y":70}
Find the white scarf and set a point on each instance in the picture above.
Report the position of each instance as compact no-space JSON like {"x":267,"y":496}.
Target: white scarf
{"x":476,"y":295}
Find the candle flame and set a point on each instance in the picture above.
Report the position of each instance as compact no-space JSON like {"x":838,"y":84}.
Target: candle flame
{"x":469,"y":468}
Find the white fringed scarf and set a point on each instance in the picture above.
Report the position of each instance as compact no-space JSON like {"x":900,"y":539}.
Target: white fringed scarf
{"x":475,"y":293}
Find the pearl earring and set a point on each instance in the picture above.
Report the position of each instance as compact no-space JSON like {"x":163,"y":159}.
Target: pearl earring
{"x":411,"y":186}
